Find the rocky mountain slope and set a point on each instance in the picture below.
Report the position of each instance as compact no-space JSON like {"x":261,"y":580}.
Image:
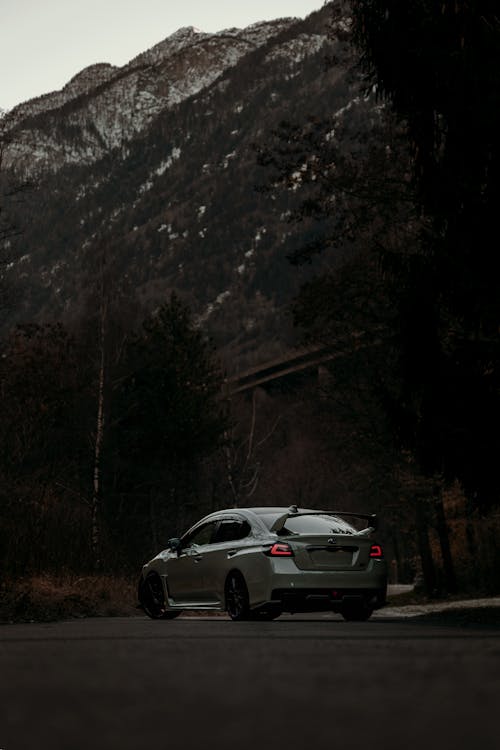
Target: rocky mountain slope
{"x":108,"y":106}
{"x":152,"y":170}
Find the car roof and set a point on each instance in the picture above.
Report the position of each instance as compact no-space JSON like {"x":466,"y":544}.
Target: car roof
{"x":257,"y":511}
{"x":271,"y":510}
{"x":248,"y":513}
{"x":269,"y":513}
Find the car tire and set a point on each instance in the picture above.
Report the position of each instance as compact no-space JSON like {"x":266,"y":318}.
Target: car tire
{"x":356,"y":613}
{"x":152,"y":598}
{"x":237,"y":600}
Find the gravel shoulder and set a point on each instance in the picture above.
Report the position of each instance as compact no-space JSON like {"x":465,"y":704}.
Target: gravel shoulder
{"x":482,"y":611}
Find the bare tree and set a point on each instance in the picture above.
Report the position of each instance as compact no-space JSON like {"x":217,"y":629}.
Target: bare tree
{"x":99,"y":433}
{"x":243,"y":455}
{"x":108,"y":344}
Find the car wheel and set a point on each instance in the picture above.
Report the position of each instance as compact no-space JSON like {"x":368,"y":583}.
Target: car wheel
{"x":237,"y":601}
{"x":152,"y":598}
{"x":356,"y":613}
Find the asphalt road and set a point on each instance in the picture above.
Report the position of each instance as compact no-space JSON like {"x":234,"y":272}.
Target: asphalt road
{"x":298,"y":682}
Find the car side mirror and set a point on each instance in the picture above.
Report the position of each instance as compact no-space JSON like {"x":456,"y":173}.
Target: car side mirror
{"x":174,"y":544}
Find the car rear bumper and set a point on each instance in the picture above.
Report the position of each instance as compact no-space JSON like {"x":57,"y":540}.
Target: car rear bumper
{"x":302,"y":591}
{"x":317,"y":600}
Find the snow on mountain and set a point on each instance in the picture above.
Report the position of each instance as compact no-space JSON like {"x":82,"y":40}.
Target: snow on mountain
{"x":104,"y":107}
{"x":182,"y":38}
{"x":298,"y":48}
{"x":81,"y":83}
{"x":157,"y":162}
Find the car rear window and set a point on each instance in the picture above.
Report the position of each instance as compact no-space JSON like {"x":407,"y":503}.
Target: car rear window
{"x":323,"y":524}
{"x":317,"y":525}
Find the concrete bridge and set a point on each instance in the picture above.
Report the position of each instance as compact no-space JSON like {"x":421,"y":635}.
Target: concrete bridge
{"x":298,"y":361}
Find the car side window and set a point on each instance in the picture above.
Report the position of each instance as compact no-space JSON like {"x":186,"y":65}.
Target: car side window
{"x":231,"y":530}
{"x":201,"y":535}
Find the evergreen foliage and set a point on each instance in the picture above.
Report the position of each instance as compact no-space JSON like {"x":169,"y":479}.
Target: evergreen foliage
{"x":446,"y":86}
{"x":163,"y":417}
{"x":167,"y":418}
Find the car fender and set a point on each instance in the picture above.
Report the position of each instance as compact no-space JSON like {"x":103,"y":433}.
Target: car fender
{"x":253,"y":565}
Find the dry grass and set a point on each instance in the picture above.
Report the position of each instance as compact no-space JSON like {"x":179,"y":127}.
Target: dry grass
{"x":46,"y":598}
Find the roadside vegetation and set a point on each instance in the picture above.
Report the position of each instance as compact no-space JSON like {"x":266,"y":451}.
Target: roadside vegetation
{"x":46,"y":598}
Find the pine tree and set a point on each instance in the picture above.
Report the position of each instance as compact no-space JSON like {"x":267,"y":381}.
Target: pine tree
{"x":438,"y":63}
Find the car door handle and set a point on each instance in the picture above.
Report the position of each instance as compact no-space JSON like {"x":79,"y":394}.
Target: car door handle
{"x":232,"y":552}
{"x":198,"y":558}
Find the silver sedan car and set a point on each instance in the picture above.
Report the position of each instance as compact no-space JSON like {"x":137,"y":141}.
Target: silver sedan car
{"x":256,"y":563}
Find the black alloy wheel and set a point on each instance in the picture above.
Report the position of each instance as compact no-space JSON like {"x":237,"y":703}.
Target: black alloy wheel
{"x":237,"y":601}
{"x":152,"y":598}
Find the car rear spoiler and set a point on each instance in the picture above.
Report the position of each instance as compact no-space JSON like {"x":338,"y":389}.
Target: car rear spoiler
{"x":294,"y":512}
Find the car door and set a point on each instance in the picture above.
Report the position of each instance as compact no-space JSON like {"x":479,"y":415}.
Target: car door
{"x":230,"y":534}
{"x":185,"y":572}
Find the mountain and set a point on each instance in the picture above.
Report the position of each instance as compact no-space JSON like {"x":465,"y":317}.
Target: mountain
{"x":152,"y":169}
{"x":108,"y":106}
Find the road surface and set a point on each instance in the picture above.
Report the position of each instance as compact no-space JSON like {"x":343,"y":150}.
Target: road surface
{"x":299,"y":682}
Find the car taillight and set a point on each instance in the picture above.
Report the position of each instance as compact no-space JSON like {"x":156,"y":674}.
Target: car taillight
{"x":280,"y":550}
{"x":376,"y":551}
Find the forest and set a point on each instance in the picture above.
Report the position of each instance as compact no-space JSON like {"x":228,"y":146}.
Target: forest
{"x":115,"y":436}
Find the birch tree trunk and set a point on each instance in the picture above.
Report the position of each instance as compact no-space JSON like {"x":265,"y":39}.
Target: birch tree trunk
{"x":99,"y":438}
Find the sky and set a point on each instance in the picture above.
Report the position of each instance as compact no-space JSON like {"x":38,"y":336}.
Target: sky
{"x":44,"y":43}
